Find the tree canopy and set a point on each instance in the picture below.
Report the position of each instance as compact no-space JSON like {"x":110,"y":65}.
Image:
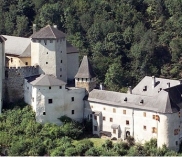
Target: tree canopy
{"x":133,"y":37}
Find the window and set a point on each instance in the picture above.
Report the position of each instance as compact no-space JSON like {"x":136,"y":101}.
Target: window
{"x":33,"y":99}
{"x":95,"y":128}
{"x":60,"y":69}
{"x":176,"y":131}
{"x":104,"y":108}
{"x":60,"y":87}
{"x":26,"y":63}
{"x":28,"y":88}
{"x":127,"y":122}
{"x":114,"y":131}
{"x":72,"y":98}
{"x":104,"y":118}
{"x":61,"y":61}
{"x":50,"y":101}
{"x":124,"y":111}
{"x":144,"y":114}
{"x":111,"y":120}
{"x":91,"y":106}
{"x":144,"y":127}
{"x":153,"y":116}
{"x":45,"y":42}
{"x":72,"y":111}
{"x":46,"y":62}
{"x":50,"y":41}
{"x":176,"y":142}
{"x":47,"y":52}
{"x":44,"y":113}
{"x":49,"y":87}
{"x":11,"y":60}
{"x":114,"y":110}
{"x":154,"y":130}
{"x":61,"y":51}
{"x":60,"y":75}
{"x":95,"y":117}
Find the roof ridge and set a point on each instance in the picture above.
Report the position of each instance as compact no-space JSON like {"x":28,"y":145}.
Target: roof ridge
{"x":52,"y":30}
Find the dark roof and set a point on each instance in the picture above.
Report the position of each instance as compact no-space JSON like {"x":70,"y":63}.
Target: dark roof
{"x":31,"y":78}
{"x":48,"y":32}
{"x":2,"y":39}
{"x":47,"y":80}
{"x":167,"y":101}
{"x":71,"y":48}
{"x":85,"y":70}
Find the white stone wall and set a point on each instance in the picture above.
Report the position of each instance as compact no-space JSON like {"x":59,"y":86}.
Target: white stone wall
{"x":139,"y":126}
{"x":76,"y":94}
{"x":166,"y":131}
{"x":67,"y":102}
{"x":73,"y":65}
{"x":61,"y":59}
{"x":52,"y":110}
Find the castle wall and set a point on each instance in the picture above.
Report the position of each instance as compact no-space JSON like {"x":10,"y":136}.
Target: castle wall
{"x":88,"y":84}
{"x":168,"y":131}
{"x":51,"y":57}
{"x":14,"y":81}
{"x":72,"y":68}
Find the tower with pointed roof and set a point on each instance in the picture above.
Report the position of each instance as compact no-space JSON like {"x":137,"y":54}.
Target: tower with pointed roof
{"x":2,"y":65}
{"x":48,"y":50}
{"x":85,"y":77}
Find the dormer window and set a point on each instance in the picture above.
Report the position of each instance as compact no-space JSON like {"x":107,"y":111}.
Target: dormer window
{"x":141,"y":101}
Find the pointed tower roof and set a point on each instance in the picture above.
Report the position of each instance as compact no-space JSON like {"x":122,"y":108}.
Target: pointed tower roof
{"x":48,"y":32}
{"x":85,"y":70}
{"x":2,"y":39}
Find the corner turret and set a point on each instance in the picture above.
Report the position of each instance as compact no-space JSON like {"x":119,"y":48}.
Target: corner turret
{"x":85,"y":77}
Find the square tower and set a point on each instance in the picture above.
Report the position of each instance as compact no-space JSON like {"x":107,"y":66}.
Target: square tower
{"x":48,"y":50}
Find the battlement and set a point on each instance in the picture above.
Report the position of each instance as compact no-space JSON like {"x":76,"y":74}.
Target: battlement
{"x":23,"y":71}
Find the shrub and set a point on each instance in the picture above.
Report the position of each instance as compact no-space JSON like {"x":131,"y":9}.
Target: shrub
{"x":83,"y":146}
{"x":71,"y":152}
{"x":93,"y":152}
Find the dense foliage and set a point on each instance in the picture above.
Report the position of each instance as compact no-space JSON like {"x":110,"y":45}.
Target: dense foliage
{"x":125,"y":39}
{"x":22,"y":136}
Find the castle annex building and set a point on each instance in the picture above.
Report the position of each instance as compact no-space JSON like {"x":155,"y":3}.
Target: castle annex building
{"x":44,"y":71}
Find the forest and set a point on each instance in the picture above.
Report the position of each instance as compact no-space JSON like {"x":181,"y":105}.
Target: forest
{"x":124,"y":39}
{"x":21,"y":135}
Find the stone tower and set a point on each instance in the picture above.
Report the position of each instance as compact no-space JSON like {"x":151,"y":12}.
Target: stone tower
{"x":2,"y":71}
{"x":48,"y":50}
{"x":85,"y":77}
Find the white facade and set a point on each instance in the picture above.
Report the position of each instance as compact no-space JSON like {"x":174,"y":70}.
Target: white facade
{"x":72,"y":68}
{"x":51,"y":57}
{"x":52,"y":102}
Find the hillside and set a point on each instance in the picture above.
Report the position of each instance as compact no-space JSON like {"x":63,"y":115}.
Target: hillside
{"x":125,"y":39}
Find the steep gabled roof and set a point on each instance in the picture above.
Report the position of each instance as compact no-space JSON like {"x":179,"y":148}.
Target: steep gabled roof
{"x":48,"y":32}
{"x":85,"y":70}
{"x":2,"y":39}
{"x":47,"y":80}
{"x":17,"y":46}
{"x":160,"y":84}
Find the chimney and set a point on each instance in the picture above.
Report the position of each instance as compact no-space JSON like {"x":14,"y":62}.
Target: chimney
{"x":129,"y":90}
{"x":34,"y":28}
{"x":101,"y":86}
{"x":168,"y":84}
{"x":153,"y":81}
{"x":55,"y":26}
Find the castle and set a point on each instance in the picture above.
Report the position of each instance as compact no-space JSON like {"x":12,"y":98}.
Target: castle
{"x":42,"y":68}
